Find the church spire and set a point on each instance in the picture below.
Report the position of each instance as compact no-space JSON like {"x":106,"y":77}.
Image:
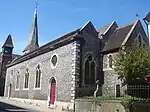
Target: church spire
{"x":33,"y":39}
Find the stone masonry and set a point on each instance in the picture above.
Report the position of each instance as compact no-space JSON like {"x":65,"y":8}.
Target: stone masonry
{"x":62,"y":74}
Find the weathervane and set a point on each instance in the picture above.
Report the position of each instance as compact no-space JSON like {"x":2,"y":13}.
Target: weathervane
{"x":36,"y":4}
{"x":137,"y":16}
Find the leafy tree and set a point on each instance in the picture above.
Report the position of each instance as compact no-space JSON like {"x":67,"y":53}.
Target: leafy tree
{"x":132,"y":65}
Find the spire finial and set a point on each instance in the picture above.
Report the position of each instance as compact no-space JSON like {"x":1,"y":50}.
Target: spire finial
{"x":36,"y":4}
{"x":137,"y":16}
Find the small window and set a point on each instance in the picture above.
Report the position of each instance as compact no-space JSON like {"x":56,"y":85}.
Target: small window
{"x":17,"y":80}
{"x":92,"y":72}
{"x":110,"y":61}
{"x":38,"y":77}
{"x":143,"y":45}
{"x":139,"y":38}
{"x":11,"y":72}
{"x":26,"y":83}
{"x":87,"y":72}
{"x":53,"y":61}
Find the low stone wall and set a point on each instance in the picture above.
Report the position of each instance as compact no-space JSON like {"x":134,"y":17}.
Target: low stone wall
{"x":83,"y":105}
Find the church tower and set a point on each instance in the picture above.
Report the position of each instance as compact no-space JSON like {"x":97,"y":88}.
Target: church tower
{"x":147,"y":21}
{"x":6,"y":57}
{"x":7,"y":48}
{"x":33,"y":39}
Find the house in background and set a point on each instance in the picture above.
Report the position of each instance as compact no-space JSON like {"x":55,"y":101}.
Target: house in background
{"x":68,"y":67}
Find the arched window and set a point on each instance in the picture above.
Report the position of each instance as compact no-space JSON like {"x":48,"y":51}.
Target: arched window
{"x":26,"y":83}
{"x":90,"y":72}
{"x":117,"y":90}
{"x":110,"y":61}
{"x":38,"y":77}
{"x":139,"y":38}
{"x":17,"y":80}
{"x":87,"y":72}
{"x":143,"y":45}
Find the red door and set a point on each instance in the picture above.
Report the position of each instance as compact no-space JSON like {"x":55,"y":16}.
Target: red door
{"x":52,"y":93}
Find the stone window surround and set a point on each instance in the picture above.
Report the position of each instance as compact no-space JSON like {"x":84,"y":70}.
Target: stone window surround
{"x":51,"y":64}
{"x":110,"y":61}
{"x":11,"y":74}
{"x":18,"y":74}
{"x":108,"y":68}
{"x":137,"y":38}
{"x":38,"y":88}
{"x":117,"y":85}
{"x":83,"y":71}
{"x":28,"y":80}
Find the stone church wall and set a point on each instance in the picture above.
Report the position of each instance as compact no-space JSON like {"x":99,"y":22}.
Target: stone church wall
{"x":90,"y":47}
{"x":62,"y":73}
{"x":110,"y":78}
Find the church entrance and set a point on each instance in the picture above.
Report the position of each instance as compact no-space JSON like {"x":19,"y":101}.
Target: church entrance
{"x":52,"y":91}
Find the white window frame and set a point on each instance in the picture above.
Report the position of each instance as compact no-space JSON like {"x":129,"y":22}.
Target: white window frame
{"x":24,"y":80}
{"x":38,"y":88}
{"x":51,"y":64}
{"x":18,"y":73}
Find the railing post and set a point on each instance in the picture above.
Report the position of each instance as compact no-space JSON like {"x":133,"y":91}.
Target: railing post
{"x":148,"y":91}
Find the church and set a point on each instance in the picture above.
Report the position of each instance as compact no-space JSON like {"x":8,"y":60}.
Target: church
{"x":69,"y":66}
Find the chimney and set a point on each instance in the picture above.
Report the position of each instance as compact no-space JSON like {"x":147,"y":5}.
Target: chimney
{"x":147,"y":22}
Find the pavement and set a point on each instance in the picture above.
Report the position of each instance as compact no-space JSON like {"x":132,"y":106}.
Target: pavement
{"x":8,"y":105}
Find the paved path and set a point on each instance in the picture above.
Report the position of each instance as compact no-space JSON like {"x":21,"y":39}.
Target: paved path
{"x":7,"y":105}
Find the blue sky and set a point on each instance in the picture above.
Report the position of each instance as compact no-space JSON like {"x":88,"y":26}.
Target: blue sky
{"x":57,"y":17}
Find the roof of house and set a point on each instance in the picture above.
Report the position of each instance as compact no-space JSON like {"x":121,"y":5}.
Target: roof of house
{"x":103,"y":29}
{"x":117,"y":38}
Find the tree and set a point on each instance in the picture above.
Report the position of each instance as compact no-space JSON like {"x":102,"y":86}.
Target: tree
{"x":132,"y":65}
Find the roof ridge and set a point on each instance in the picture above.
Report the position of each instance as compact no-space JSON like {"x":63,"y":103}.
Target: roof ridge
{"x":126,"y":25}
{"x":129,"y":33}
{"x":109,"y":26}
{"x":84,"y":25}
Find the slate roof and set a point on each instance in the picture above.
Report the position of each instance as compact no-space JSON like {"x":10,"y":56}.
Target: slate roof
{"x":117,"y":38}
{"x":45,"y":48}
{"x":13,"y":55}
{"x":33,"y":39}
{"x":103,"y":29}
{"x":147,"y":17}
{"x":8,"y":42}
